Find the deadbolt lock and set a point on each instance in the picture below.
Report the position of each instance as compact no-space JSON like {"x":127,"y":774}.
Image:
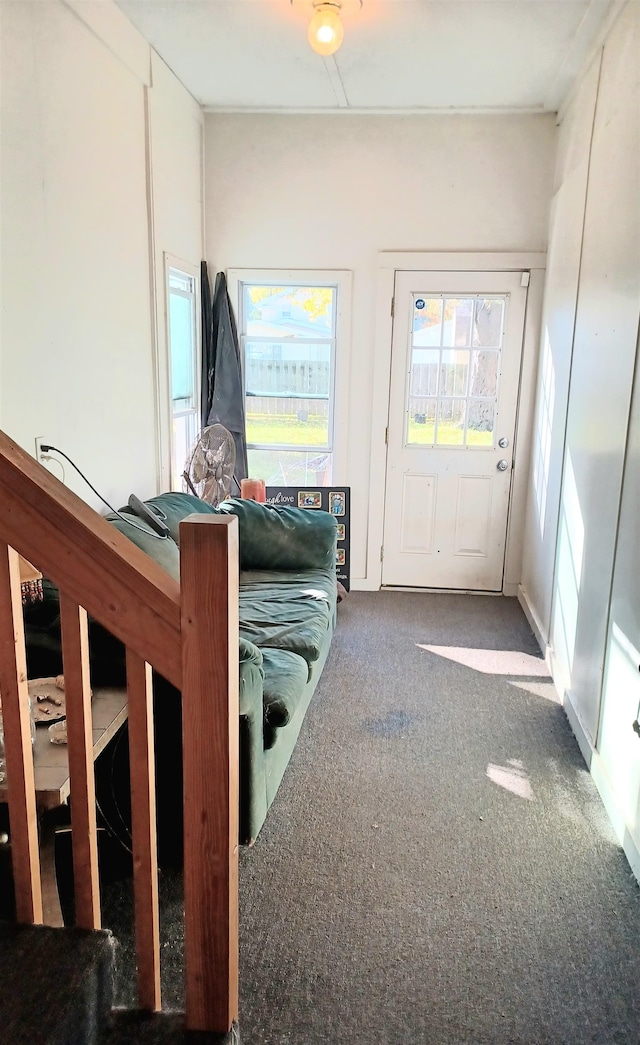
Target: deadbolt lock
{"x":503,"y":442}
{"x":502,"y":465}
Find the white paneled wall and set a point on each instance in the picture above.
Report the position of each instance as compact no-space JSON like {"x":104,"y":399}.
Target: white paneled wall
{"x":331,"y":192}
{"x":580,"y":463}
{"x":81,"y":230}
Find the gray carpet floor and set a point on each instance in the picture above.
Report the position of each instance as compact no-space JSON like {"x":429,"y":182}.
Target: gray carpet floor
{"x":437,"y":868}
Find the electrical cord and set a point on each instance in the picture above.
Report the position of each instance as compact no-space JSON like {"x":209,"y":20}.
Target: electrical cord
{"x":161,"y":537}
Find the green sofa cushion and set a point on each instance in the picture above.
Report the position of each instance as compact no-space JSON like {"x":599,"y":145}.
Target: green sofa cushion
{"x":272,"y":537}
{"x":276,"y":537}
{"x":285,"y":678}
{"x":290,"y":611}
{"x":162,"y":550}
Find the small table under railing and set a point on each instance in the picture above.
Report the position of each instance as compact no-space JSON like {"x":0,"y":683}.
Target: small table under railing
{"x":53,"y":785}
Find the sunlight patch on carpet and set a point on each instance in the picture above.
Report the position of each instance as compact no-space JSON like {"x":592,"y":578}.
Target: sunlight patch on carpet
{"x":512,"y":777}
{"x":492,"y":661}
{"x":546,"y":690}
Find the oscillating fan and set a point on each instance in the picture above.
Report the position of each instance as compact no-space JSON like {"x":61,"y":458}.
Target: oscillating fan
{"x":208,"y":470}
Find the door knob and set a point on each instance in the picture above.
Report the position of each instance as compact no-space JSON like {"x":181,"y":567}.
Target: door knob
{"x":503,"y":442}
{"x":502,"y":465}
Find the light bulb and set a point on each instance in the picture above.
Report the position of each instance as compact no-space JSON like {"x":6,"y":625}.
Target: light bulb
{"x":325,"y":29}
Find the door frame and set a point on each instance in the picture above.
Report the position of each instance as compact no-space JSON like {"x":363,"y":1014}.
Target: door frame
{"x":390,"y":262}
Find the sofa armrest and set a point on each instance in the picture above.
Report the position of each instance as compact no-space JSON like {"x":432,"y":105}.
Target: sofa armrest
{"x":278,"y":537}
{"x":250,"y":668}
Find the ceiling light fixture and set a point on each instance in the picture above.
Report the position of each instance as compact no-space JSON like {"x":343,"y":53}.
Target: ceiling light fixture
{"x":326,"y":31}
{"x":325,"y":28}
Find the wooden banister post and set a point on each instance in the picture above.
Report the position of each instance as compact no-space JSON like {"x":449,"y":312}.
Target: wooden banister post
{"x":210,"y":717}
{"x":17,"y":742}
{"x":75,"y":661}
{"x":143,"y":831}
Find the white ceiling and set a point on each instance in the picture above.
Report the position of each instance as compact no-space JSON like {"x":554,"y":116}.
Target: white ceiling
{"x":397,"y":55}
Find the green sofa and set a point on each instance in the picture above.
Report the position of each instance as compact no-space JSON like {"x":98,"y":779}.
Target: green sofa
{"x":287,"y":618}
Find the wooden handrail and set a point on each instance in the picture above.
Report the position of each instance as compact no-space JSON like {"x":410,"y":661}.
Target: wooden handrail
{"x":116,"y":582}
{"x":188,"y":632}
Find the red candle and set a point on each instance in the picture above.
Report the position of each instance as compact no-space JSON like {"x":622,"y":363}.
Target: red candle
{"x":253,"y":490}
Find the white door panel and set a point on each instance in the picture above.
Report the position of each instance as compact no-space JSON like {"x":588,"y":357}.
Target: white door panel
{"x":457,"y":343}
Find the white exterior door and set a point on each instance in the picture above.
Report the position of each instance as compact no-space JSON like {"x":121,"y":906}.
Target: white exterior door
{"x":455,"y":369}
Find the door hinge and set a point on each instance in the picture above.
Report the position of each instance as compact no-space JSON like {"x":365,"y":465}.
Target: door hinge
{"x":386,"y":436}
{"x":393,"y":307}
{"x":381,"y":554}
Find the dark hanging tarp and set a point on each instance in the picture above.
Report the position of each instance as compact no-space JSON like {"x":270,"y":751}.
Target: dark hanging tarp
{"x":222,"y":373}
{"x":207,"y":342}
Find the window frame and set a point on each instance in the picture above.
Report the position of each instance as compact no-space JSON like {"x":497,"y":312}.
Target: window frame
{"x":340,"y":280}
{"x":182,"y":269}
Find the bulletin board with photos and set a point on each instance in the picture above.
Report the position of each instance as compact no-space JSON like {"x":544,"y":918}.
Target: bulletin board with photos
{"x":333,"y":499}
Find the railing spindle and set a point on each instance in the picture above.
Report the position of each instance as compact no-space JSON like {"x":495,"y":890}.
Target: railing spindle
{"x":143,"y":824}
{"x":17,"y":743}
{"x":209,"y":627}
{"x":75,"y":658}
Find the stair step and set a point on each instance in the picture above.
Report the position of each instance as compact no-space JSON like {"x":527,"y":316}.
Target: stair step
{"x":56,"y":985}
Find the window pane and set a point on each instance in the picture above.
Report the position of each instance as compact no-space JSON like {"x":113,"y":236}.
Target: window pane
{"x":484,"y":374}
{"x":422,"y":421}
{"x":424,"y":371}
{"x":454,"y":373}
{"x":185,"y":429}
{"x":287,"y":368}
{"x":458,"y":313}
{"x":181,"y":341}
{"x":451,"y":414}
{"x":427,"y":321}
{"x":180,"y":281}
{"x":301,"y":311}
{"x":276,"y":421}
{"x":488,"y":322}
{"x":290,"y":468}
{"x":480,"y":422}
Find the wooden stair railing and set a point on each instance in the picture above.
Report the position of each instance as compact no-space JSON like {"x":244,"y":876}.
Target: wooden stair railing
{"x":188,"y":633}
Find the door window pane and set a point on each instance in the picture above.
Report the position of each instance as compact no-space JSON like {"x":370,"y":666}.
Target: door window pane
{"x":484,"y":374}
{"x":454,"y":370}
{"x":422,"y":420}
{"x":488,"y":322}
{"x":424,"y":372}
{"x":458,"y":315}
{"x":451,"y":416}
{"x":427,"y":321}
{"x":480,"y":422}
{"x":454,"y":373}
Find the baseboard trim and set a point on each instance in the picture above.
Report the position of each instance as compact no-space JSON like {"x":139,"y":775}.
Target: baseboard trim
{"x":626,"y":839}
{"x":534,"y":622}
{"x":587,"y":749}
{"x":364,"y":584}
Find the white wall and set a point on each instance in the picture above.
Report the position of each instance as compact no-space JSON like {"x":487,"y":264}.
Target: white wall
{"x":80,"y":228}
{"x":588,"y":357}
{"x":330,"y":192}
{"x":176,"y":145}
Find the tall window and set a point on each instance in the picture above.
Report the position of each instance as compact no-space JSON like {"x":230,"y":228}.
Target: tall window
{"x":288,"y":344}
{"x":183,"y":368}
